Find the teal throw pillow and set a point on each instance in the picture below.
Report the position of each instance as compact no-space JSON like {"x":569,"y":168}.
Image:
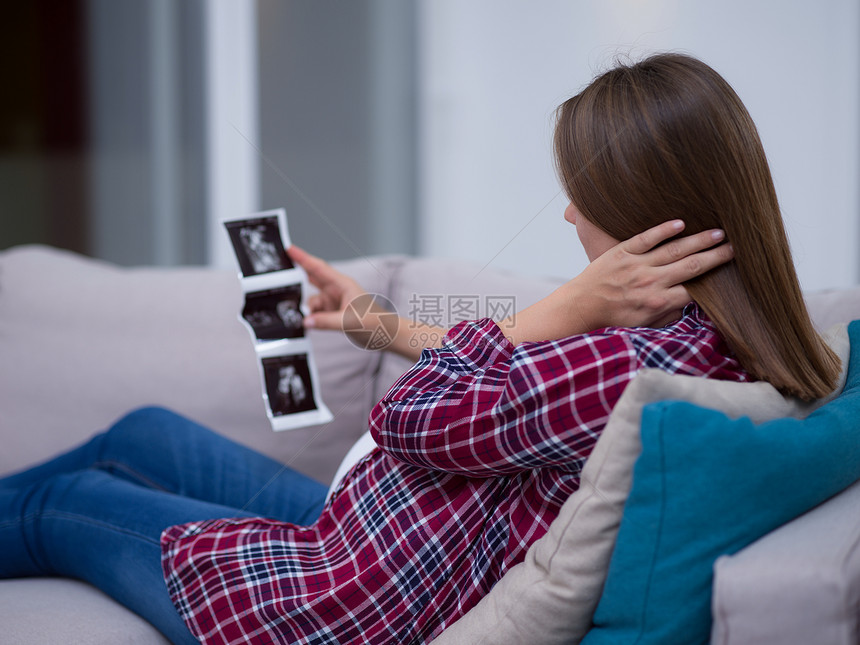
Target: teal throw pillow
{"x":706,"y":485}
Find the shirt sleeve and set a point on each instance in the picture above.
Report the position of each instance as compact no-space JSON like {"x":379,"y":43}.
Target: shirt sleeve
{"x":480,"y":407}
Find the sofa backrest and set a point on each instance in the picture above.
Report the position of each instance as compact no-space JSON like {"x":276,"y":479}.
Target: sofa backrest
{"x":83,"y":341}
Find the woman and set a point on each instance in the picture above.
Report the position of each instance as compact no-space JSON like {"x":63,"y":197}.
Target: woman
{"x":483,"y":439}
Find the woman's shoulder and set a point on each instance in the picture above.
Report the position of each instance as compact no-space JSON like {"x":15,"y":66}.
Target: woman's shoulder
{"x":690,"y":345}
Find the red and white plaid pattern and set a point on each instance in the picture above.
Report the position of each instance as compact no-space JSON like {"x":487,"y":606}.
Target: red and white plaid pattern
{"x":480,"y":445}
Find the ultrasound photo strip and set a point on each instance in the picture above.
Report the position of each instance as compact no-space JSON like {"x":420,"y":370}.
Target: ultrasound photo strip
{"x":274,"y":313}
{"x":260,"y":242}
{"x":290,"y":387}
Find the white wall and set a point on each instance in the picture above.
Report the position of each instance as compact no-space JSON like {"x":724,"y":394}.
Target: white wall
{"x":492,"y":72}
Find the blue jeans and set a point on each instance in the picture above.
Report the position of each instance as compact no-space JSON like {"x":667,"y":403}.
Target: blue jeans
{"x":96,"y":513}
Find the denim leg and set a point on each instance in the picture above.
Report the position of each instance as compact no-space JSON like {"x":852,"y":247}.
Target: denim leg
{"x":159,"y":449}
{"x":96,"y":527}
{"x":97,"y":512}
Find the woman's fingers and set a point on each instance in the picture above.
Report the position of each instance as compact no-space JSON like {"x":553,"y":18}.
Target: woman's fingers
{"x":688,"y":245}
{"x":676,"y":249}
{"x":683,"y":258}
{"x":647,"y":240}
{"x":676,"y":299}
{"x":336,"y":290}
{"x":319,"y":271}
{"x":317,"y":302}
{"x":689,"y":264}
{"x":331,"y":320}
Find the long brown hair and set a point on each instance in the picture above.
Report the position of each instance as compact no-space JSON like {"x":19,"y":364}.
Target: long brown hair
{"x":668,"y":138}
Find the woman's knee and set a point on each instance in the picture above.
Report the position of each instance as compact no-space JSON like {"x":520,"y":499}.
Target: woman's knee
{"x":142,"y":420}
{"x":148,"y":415}
{"x":150,"y":427}
{"x":160,"y":426}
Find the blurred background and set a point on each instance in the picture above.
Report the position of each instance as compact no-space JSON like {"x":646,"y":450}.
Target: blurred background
{"x":129,"y":128}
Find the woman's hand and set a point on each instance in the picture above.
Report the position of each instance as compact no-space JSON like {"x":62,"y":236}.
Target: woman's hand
{"x":336,"y":290}
{"x":632,"y":284}
{"x":330,"y":309}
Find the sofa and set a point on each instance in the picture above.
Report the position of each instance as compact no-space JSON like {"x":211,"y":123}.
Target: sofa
{"x":84,"y":341}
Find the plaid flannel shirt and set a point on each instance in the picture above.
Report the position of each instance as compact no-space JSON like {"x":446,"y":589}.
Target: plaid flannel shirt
{"x":480,"y":444}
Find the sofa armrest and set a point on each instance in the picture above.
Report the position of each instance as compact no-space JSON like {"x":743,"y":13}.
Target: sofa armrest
{"x":799,"y":584}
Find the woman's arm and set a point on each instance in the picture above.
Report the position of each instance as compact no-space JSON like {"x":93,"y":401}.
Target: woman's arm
{"x":632,"y":284}
{"x":481,"y":407}
{"x":329,"y":308}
